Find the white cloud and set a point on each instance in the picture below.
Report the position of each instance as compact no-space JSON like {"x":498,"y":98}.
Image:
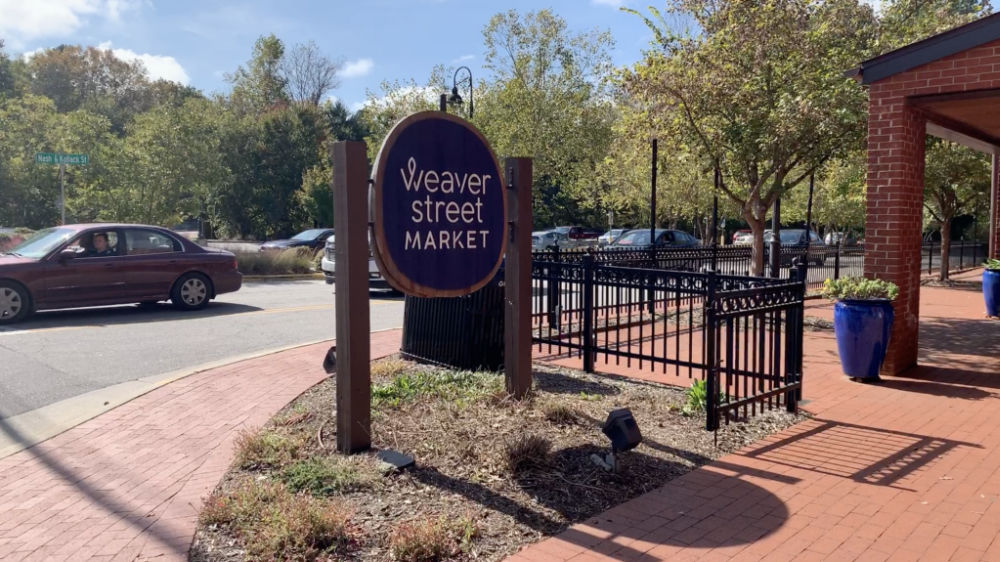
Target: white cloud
{"x":612,"y":3}
{"x":407,"y":96}
{"x":157,"y":66}
{"x":356,"y":68}
{"x":463,"y":58}
{"x":22,"y":21}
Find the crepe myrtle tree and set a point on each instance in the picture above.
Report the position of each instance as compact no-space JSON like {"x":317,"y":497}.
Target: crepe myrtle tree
{"x":760,"y":89}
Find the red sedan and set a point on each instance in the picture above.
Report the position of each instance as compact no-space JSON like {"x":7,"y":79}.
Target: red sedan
{"x":105,"y":264}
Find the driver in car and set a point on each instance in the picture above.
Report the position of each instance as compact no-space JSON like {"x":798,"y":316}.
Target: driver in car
{"x":98,"y":247}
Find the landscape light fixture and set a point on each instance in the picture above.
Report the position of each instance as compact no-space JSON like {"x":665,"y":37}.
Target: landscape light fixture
{"x":624,"y":434}
{"x":455,"y":99}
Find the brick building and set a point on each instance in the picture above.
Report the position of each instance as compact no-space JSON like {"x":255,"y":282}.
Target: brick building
{"x":949,"y":86}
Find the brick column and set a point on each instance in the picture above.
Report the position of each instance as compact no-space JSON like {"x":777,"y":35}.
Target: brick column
{"x":896,"y":137}
{"x":994,"y":239}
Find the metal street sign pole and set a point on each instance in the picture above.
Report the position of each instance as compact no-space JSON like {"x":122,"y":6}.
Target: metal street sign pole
{"x":62,"y":191}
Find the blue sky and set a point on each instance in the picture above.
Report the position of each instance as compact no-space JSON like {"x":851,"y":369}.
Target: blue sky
{"x":198,"y":42}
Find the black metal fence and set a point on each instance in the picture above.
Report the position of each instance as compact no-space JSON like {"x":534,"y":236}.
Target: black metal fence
{"x":962,"y":255}
{"x":741,"y":335}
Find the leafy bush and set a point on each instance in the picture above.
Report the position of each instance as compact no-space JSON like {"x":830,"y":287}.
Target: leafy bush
{"x":430,"y":540}
{"x":275,"y":263}
{"x":992,"y":264}
{"x":326,"y":476}
{"x":859,"y":288}
{"x":256,"y":449}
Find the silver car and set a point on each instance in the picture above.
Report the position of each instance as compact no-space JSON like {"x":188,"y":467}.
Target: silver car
{"x":329,"y":266}
{"x":609,"y":236}
{"x":547,"y":240}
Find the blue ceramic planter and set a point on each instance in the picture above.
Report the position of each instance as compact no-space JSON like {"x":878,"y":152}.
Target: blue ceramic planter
{"x":862,"y":328}
{"x":991,"y":291}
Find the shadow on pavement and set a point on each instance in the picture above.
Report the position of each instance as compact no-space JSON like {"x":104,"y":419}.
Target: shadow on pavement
{"x":869,"y":455}
{"x":74,"y":474}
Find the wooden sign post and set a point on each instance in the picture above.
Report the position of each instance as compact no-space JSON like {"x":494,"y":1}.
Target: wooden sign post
{"x":350,"y":220}
{"x":517,"y":278}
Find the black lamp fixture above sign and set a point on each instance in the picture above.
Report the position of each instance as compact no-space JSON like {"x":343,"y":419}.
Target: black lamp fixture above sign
{"x":455,"y":99}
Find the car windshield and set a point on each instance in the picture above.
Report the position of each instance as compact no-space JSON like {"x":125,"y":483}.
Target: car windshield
{"x":311,"y":234}
{"x":637,"y":238}
{"x":39,"y":244}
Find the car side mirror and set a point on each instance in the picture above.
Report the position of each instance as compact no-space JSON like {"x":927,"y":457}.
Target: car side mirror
{"x":67,"y":255}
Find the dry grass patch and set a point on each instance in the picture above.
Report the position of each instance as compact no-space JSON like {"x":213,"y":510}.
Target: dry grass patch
{"x":424,"y":540}
{"x":517,"y":470}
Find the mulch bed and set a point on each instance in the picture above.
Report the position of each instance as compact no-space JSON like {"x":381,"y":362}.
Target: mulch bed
{"x":512,"y":471}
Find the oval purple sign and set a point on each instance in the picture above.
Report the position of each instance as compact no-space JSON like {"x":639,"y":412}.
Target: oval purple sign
{"x":440,"y":207}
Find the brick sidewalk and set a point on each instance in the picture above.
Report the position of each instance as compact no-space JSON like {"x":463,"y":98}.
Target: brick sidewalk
{"x":128,"y":484}
{"x":905,"y":470}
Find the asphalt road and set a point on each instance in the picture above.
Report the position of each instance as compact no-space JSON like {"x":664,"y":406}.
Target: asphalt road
{"x":59,"y":355}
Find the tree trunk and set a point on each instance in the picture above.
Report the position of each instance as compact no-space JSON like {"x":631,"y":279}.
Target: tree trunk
{"x":945,"y":249}
{"x":757,"y":248}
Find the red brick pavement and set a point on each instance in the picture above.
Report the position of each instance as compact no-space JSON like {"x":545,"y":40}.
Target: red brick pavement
{"x":128,"y":484}
{"x":905,"y":470}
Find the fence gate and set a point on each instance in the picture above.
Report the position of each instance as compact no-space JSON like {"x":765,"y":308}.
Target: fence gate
{"x":754,"y":350}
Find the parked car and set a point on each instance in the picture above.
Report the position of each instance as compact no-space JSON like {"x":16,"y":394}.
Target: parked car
{"x":609,"y":236}
{"x":840,"y":239}
{"x":742,"y":234}
{"x":104,"y":264}
{"x":548,"y":240}
{"x":796,"y":238}
{"x":639,"y":238}
{"x":313,"y":238}
{"x":328,"y":265}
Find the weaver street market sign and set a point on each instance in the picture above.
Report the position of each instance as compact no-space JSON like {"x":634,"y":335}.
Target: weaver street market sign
{"x":440,"y":207}
{"x":57,"y":158}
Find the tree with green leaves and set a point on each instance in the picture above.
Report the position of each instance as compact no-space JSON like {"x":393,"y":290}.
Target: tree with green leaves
{"x":759,"y":90}
{"x":956,"y":181}
{"x":260,"y":86}
{"x":308,"y":73}
{"x":548,"y":99}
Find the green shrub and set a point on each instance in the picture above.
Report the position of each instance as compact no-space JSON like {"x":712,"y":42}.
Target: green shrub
{"x":992,"y":264}
{"x":859,"y":288}
{"x":697,"y":397}
{"x":285,"y":262}
{"x":326,"y":476}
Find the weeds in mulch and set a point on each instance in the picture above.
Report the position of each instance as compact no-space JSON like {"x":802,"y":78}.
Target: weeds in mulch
{"x":431,"y":540}
{"x":517,"y":470}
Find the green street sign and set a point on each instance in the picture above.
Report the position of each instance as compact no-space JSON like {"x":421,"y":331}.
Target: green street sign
{"x":59,"y":158}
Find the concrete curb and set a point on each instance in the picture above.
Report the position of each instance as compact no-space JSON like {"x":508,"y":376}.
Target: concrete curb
{"x":289,"y":277}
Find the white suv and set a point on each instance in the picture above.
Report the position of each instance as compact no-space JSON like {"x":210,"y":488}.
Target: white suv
{"x":329,"y":267}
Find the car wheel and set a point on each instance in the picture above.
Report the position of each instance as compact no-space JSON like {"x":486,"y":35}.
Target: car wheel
{"x":191,"y":292}
{"x":15,"y":302}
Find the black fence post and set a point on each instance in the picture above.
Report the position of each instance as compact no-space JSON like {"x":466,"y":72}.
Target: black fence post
{"x":711,"y":356}
{"x":930,"y":257}
{"x":793,"y":348}
{"x":961,"y":255}
{"x":588,"y":313}
{"x":836,"y":262}
{"x":553,"y":298}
